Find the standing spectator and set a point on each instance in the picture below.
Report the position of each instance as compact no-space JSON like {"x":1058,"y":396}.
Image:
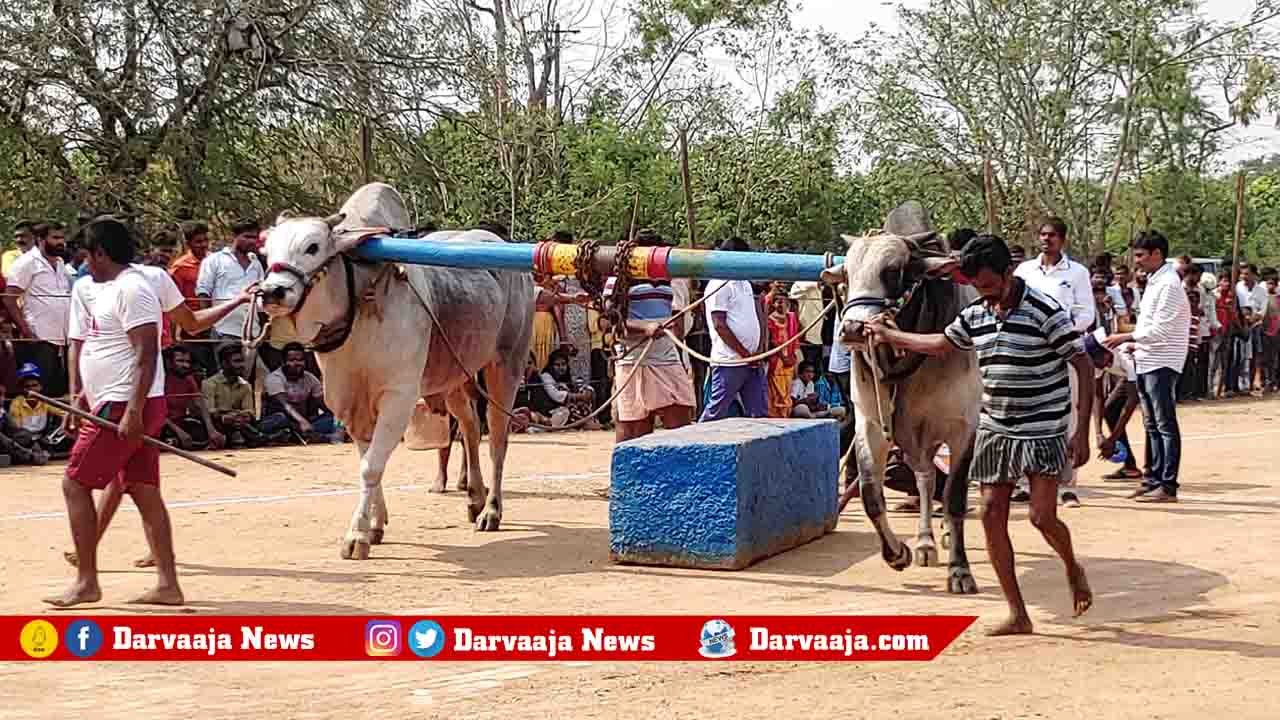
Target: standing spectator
{"x":1251,"y":296}
{"x":8,"y":361}
{"x":1208,"y":315}
{"x":782,"y":366}
{"x":737,"y":325}
{"x":1023,"y":425}
{"x":1130,"y":296}
{"x":1017,"y":254}
{"x":188,"y":423}
{"x":1271,"y":331}
{"x":807,"y":296}
{"x":1159,"y":346}
{"x":22,"y":241}
{"x":1230,"y":328}
{"x":295,"y":400}
{"x":1068,"y":283}
{"x":115,"y":350}
{"x":659,"y":387}
{"x":229,"y":399}
{"x":39,"y":279}
{"x":601,"y":368}
{"x":185,"y":271}
{"x":225,"y":275}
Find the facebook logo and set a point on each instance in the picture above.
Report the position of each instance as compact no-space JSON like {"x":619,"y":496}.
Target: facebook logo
{"x":83,"y":638}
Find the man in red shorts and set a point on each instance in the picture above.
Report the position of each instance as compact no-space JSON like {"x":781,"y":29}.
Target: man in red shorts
{"x":116,"y":374}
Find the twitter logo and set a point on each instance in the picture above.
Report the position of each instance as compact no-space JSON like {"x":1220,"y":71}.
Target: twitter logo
{"x":426,"y":638}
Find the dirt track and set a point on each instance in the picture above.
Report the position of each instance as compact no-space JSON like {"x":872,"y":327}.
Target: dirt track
{"x":1185,"y":622}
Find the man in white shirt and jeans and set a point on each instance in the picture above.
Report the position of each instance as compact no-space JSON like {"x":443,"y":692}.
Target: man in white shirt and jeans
{"x":1069,"y":283}
{"x":38,"y":276}
{"x":116,"y":374}
{"x":737,"y":328}
{"x":1159,"y":346}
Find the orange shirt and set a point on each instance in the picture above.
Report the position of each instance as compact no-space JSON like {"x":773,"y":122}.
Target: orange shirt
{"x":185,"y":270}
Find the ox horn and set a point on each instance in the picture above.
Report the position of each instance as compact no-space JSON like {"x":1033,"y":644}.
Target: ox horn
{"x":918,"y":238}
{"x":334,"y":220}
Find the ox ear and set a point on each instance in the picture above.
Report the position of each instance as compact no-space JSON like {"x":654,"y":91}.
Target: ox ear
{"x":284,"y":215}
{"x":334,"y":220}
{"x":940,"y":266}
{"x":834,"y":275}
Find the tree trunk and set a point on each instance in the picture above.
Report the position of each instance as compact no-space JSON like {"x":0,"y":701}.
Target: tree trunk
{"x":688,"y":188}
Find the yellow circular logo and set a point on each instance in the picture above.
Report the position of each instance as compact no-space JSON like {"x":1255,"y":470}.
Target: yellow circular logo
{"x":39,"y":638}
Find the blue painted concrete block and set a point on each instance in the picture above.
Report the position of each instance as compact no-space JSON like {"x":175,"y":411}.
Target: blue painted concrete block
{"x":722,"y":495}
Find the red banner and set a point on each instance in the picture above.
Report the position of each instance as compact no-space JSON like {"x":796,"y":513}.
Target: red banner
{"x":482,"y":637}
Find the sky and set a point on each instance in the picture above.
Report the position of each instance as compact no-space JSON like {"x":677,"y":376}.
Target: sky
{"x":838,"y":16}
{"x":851,"y":19}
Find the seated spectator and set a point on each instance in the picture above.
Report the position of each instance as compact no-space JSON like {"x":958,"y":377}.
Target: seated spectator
{"x":229,"y":399}
{"x":188,"y":425}
{"x":34,"y":424}
{"x":295,"y":401}
{"x":806,"y":402}
{"x":557,"y":396}
{"x":524,"y":414}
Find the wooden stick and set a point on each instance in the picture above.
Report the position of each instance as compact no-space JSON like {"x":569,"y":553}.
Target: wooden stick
{"x":1235,"y":243}
{"x":101,"y":422}
{"x":687,"y":182}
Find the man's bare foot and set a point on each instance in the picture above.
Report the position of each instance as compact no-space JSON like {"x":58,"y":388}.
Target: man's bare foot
{"x":77,"y":594}
{"x":1081,"y":594}
{"x":160,"y":596}
{"x":145,"y":561}
{"x":1012,"y":626}
{"x":72,"y":559}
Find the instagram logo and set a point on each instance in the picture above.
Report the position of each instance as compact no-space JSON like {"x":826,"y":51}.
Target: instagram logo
{"x":382,"y":638}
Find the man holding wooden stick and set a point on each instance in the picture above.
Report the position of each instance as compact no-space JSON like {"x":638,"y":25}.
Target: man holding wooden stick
{"x":116,"y":374}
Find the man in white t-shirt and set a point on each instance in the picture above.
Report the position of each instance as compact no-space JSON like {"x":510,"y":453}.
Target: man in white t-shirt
{"x":174,"y":308}
{"x":736,"y":322}
{"x":116,"y":374}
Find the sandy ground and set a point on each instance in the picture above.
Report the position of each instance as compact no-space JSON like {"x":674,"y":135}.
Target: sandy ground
{"x":1185,"y":622}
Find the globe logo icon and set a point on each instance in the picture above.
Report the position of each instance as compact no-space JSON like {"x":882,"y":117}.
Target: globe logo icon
{"x":717,"y":640}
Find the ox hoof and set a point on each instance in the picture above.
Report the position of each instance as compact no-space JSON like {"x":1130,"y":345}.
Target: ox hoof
{"x":488,"y":521}
{"x":462,"y":484}
{"x":355,"y":550}
{"x":439,"y":487}
{"x":960,"y":581}
{"x":926,"y":553}
{"x":375,"y":536}
{"x":900,"y":562}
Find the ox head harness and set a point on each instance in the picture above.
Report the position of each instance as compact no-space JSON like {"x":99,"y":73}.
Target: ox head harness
{"x":330,"y":337}
{"x":909,"y":309}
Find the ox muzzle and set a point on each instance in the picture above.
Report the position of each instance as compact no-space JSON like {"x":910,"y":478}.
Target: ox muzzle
{"x":854,"y":317}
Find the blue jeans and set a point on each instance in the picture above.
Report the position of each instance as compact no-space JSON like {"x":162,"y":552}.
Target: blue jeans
{"x":1157,"y":390}
{"x":748,"y":384}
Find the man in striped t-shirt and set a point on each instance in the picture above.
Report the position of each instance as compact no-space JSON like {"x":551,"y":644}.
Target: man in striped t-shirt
{"x":1024,"y":342}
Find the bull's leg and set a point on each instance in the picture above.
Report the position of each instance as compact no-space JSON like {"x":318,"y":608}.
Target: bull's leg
{"x":959,"y":579}
{"x":926,"y":549}
{"x":394,"y":412}
{"x":464,"y":410}
{"x":873,"y":452}
{"x":502,"y":381}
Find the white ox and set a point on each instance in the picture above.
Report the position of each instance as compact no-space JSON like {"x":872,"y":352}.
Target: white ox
{"x":925,"y":402}
{"x":379,"y":357}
